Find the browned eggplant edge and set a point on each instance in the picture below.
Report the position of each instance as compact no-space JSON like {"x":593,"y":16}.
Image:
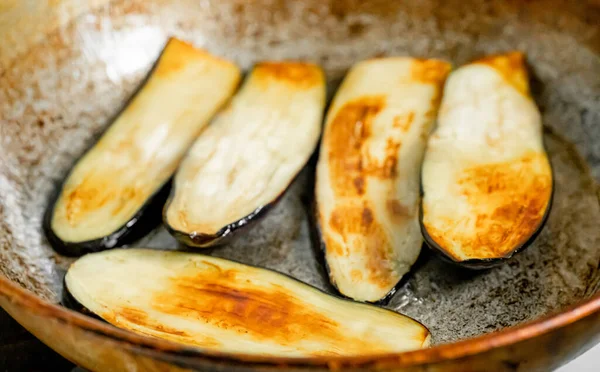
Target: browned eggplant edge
{"x":319,"y":243}
{"x":69,"y":301}
{"x":487,"y":263}
{"x":144,"y":220}
{"x":229,"y":231}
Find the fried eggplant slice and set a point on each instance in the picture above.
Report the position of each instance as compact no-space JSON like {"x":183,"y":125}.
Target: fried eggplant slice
{"x":118,"y":185}
{"x":367,"y":186}
{"x":226,"y":306}
{"x":246,"y":159}
{"x":486,"y":178}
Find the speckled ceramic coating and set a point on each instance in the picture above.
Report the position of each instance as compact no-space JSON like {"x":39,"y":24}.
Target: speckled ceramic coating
{"x":58,"y":96}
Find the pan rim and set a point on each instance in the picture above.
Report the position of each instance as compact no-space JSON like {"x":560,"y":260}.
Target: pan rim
{"x":189,"y":356}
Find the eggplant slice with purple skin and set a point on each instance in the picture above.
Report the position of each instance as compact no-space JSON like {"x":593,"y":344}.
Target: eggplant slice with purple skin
{"x":225,"y":306}
{"x":367,"y":182}
{"x":119,"y":185}
{"x":246,"y":159}
{"x":486,"y":179}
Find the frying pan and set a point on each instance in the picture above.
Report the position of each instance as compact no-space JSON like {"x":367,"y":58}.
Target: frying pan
{"x":66,"y":67}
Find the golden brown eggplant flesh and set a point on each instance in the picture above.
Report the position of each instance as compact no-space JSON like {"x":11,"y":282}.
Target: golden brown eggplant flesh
{"x":246,"y":159}
{"x":225,"y":306}
{"x":115,"y":192}
{"x":486,"y":179}
{"x":367,"y":182}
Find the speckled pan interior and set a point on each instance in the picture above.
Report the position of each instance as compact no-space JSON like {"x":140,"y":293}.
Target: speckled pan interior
{"x":59,"y":91}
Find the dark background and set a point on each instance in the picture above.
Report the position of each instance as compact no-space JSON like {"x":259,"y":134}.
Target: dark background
{"x":20,"y":351}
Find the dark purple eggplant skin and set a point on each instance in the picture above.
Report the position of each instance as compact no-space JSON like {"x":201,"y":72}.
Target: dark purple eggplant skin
{"x":145,"y":219}
{"x":483,"y":264}
{"x":70,"y":302}
{"x":224,"y":235}
{"x":228,"y":232}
